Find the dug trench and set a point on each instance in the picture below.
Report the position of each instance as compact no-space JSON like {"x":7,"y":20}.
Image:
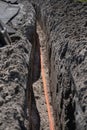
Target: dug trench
{"x":66,"y":45}
{"x":51,"y":60}
{"x":24,"y":103}
{"x":42,"y":117}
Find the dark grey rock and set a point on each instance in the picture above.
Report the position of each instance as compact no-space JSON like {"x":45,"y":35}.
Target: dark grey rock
{"x":7,"y":12}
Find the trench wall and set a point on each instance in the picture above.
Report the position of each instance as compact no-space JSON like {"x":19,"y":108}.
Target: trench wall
{"x":16,"y":65}
{"x":65,"y":25}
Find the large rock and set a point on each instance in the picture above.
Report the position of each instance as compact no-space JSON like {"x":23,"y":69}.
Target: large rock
{"x":65,"y":25}
{"x":7,"y":11}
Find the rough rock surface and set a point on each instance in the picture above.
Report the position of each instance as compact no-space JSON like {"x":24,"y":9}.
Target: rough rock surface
{"x":65,"y":25}
{"x":13,"y":79}
{"x":15,"y":68}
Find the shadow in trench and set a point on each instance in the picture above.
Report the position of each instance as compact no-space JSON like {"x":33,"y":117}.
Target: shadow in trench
{"x":35,"y":117}
{"x":36,"y":62}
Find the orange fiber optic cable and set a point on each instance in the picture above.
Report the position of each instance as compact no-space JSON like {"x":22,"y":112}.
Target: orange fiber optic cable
{"x":50,"y":115}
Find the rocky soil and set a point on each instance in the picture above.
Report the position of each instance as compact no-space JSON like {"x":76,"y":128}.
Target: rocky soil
{"x":38,"y":82}
{"x":16,"y":67}
{"x":41,"y":104}
{"x":64,"y":43}
{"x":64,"y":23}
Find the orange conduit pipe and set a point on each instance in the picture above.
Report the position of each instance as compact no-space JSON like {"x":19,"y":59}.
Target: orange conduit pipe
{"x":50,"y":115}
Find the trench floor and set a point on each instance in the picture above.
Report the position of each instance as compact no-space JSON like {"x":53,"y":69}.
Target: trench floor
{"x":38,"y":84}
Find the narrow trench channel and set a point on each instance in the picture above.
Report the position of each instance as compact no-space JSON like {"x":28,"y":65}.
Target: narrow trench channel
{"x":41,"y":81}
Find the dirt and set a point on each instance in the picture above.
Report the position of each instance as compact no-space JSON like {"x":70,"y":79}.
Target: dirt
{"x":62,"y":39}
{"x":20,"y":67}
{"x":38,"y":84}
{"x":65,"y":25}
{"x":14,"y":71}
{"x":41,"y":104}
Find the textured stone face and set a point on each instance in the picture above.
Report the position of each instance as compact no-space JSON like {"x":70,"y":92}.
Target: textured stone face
{"x":64,"y":23}
{"x":13,"y":79}
{"x":14,"y":71}
{"x":7,"y":12}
